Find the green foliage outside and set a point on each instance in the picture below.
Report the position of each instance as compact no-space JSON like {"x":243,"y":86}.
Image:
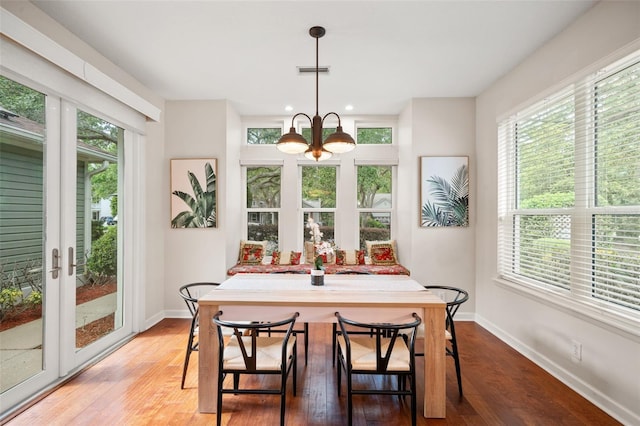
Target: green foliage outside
{"x":20,"y":286}
{"x":546,"y":163}
{"x":22,"y":100}
{"x":371,"y":181}
{"x":373,"y":234}
{"x":319,"y":184}
{"x":263,"y":187}
{"x":103,"y":261}
{"x":374,"y":136}
{"x":263,"y":136}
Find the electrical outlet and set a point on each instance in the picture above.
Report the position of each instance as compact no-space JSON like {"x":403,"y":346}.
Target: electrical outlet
{"x":576,"y":350}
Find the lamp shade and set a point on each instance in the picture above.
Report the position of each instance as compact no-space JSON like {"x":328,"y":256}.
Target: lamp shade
{"x":317,"y":155}
{"x":339,"y":142}
{"x":292,"y":143}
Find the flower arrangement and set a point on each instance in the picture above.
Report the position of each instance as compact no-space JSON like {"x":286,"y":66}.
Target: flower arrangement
{"x":314,"y":231}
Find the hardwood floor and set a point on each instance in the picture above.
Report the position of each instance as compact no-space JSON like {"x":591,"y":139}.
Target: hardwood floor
{"x":140,"y":385}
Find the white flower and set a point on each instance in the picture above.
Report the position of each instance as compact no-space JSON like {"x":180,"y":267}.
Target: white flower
{"x":324,"y":248}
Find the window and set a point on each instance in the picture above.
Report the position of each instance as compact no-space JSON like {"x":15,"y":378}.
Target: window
{"x":374,"y":203}
{"x":263,"y":135}
{"x":374,"y":135}
{"x":569,"y":191}
{"x":326,"y":192}
{"x":263,"y":205}
{"x":319,"y":199}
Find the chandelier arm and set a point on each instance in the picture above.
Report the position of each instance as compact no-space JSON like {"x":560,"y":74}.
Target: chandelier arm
{"x":332,"y":113}
{"x":293,"y":119}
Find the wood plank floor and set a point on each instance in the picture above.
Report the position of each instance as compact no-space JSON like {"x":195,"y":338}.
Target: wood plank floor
{"x":140,"y":385}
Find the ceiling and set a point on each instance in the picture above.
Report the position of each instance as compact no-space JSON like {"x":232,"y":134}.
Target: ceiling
{"x":380,"y":53}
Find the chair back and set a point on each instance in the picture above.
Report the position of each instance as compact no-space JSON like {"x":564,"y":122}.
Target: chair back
{"x":452,"y":296}
{"x":385,"y":336}
{"x":246,"y":335}
{"x":191,"y":292}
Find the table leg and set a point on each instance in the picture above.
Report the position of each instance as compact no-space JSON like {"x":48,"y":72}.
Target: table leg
{"x":435,"y":395}
{"x":207,"y":360}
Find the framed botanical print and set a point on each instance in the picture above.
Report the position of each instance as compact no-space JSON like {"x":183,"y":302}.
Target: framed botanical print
{"x":444,"y":191}
{"x":193,"y":193}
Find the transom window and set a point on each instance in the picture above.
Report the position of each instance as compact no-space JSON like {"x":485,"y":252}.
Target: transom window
{"x":263,"y":135}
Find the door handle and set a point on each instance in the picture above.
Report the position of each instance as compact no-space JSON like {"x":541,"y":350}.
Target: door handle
{"x":55,"y":263}
{"x":71,"y":259}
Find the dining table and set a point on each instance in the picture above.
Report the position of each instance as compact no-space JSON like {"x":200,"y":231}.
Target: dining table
{"x":372,"y":298}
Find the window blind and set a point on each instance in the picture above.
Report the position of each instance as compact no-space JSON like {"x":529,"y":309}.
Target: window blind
{"x":569,"y":190}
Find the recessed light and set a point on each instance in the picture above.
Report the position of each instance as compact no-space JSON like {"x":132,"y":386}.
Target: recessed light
{"x":288,"y":108}
{"x":349,"y":108}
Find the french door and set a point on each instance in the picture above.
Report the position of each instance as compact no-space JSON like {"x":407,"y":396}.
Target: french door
{"x":64,"y":295}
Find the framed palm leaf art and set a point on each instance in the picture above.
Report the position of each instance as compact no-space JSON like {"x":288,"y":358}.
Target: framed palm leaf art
{"x":193,"y":193}
{"x":444,"y":191}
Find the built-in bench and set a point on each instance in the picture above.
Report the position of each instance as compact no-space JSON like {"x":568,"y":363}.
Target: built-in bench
{"x":331,"y":268}
{"x":382,"y":260}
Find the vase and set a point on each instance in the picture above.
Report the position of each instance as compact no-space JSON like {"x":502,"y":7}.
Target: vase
{"x":317,"y":277}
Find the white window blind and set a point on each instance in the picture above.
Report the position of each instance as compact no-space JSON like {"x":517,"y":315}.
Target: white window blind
{"x":569,"y":191}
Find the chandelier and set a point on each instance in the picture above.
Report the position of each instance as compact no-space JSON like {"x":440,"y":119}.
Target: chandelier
{"x":336,"y":143}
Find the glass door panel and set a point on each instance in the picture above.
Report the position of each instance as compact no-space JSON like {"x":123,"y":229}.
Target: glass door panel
{"x":23,"y":262}
{"x":98,"y":291}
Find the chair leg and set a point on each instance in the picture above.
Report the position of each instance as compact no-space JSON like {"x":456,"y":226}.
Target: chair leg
{"x":339,"y":376}
{"x":333,"y":344}
{"x":185,"y":365}
{"x":283,"y":396}
{"x":414,"y":402}
{"x":349,"y":400}
{"x":219,"y":402}
{"x":306,"y":342}
{"x":295,"y":367}
{"x":236,"y":381}
{"x":456,"y":359}
{"x":188,"y":353}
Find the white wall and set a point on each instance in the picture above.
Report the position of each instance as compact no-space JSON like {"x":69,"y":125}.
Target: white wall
{"x":446,"y":255}
{"x":609,"y":372}
{"x":193,"y":129}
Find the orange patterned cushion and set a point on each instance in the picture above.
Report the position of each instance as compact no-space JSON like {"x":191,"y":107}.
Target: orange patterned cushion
{"x":295,"y":257}
{"x":360,"y":257}
{"x":341,"y":257}
{"x":383,"y":254}
{"x":251,"y":253}
{"x":275,"y":258}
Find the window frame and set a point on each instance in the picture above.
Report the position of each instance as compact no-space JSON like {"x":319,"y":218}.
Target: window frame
{"x":583,"y":213}
{"x":347,"y":215}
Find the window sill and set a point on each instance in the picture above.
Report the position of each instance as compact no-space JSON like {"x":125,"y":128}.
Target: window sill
{"x":599,"y":315}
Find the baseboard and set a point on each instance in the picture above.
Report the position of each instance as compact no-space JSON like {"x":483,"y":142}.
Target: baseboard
{"x":150,"y":322}
{"x":622,"y":414}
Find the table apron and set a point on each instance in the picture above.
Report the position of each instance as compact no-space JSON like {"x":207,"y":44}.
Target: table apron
{"x":318,"y":314}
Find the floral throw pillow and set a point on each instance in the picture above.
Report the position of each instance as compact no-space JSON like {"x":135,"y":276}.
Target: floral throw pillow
{"x":275,"y":258}
{"x":295,"y":257}
{"x":341,"y":257}
{"x":383,"y":254}
{"x":360,"y":257}
{"x":251,"y":253}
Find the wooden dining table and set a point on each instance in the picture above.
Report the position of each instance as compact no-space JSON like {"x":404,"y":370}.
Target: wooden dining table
{"x":373,"y":298}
